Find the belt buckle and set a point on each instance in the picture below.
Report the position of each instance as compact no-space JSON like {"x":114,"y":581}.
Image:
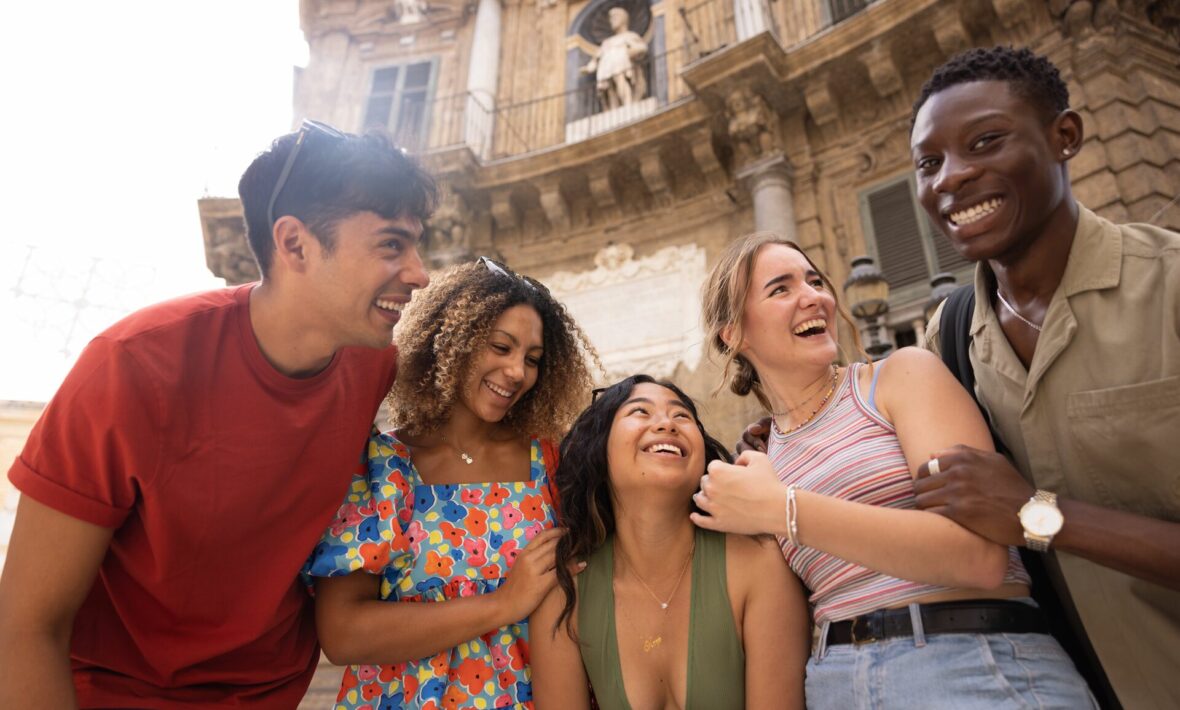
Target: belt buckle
{"x":867,"y":637}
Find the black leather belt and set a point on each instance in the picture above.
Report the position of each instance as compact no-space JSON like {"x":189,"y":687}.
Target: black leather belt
{"x":965,"y":617}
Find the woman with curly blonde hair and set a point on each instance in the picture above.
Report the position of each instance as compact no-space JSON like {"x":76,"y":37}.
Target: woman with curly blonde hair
{"x":453,"y":509}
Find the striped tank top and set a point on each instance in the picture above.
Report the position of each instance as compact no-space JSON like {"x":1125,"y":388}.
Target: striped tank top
{"x":849,"y":451}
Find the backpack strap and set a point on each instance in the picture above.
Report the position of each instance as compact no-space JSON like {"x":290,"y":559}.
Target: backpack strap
{"x":954,"y":334}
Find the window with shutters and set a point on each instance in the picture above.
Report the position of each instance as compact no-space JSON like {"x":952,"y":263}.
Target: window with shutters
{"x":399,"y":102}
{"x":907,"y":248}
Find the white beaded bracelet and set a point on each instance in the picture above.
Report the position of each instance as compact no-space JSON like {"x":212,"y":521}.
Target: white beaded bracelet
{"x":792,"y":516}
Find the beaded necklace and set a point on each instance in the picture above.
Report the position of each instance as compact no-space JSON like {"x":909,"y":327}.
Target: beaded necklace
{"x":822,"y":402}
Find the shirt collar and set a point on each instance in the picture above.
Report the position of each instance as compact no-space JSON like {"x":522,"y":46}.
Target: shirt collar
{"x":1095,"y":262}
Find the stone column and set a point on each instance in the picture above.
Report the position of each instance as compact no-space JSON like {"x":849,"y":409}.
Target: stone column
{"x":769,"y":183}
{"x":483,"y":74}
{"x":750,"y":17}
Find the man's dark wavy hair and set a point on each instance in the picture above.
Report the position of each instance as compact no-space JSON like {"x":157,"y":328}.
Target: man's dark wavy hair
{"x":332,"y":180}
{"x":1030,"y":76}
{"x":583,"y":482}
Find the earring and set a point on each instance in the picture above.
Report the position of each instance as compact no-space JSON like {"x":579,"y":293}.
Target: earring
{"x":1067,"y":152}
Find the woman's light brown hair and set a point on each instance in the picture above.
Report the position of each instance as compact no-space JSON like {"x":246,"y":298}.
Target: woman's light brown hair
{"x":724,"y":297}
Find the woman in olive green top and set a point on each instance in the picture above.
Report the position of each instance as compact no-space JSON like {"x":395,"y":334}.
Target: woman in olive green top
{"x":665,"y":615}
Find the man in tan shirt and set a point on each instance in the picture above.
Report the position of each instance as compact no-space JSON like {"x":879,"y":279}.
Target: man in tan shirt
{"x":1075,"y":347}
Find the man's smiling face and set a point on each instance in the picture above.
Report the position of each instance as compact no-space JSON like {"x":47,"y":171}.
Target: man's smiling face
{"x":990,"y":167}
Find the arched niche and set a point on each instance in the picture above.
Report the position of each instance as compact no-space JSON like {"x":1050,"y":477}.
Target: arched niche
{"x":589,"y":28}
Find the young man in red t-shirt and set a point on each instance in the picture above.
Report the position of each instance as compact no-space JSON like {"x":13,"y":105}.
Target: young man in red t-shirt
{"x":179,"y":478}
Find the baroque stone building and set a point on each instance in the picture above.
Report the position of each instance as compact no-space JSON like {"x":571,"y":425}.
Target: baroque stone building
{"x":788,"y":115}
{"x":619,"y":188}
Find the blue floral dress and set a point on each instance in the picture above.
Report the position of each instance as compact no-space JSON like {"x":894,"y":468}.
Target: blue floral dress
{"x":431,"y":543}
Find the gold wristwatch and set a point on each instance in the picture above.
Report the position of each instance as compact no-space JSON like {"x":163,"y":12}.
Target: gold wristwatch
{"x":1041,"y":519}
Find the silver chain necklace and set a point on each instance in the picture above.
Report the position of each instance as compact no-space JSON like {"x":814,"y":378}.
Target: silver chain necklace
{"x":1012,"y":310}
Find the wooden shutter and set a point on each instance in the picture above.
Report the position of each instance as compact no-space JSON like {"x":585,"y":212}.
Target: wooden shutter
{"x":948,"y":259}
{"x":894,"y":226}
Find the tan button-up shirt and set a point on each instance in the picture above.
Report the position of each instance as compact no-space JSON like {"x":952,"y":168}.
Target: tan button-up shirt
{"x":1096,"y":418}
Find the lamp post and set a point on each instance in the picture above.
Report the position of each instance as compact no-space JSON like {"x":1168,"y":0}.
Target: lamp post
{"x":941,"y":286}
{"x":867,"y":293}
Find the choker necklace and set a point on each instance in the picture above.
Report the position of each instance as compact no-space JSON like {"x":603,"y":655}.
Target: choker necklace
{"x":1012,"y":310}
{"x":818,"y":407}
{"x":462,"y":454}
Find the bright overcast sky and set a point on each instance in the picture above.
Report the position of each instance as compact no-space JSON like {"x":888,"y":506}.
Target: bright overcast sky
{"x":117,"y":117}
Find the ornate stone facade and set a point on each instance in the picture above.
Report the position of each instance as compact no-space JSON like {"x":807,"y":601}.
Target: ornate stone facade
{"x":760,"y":116}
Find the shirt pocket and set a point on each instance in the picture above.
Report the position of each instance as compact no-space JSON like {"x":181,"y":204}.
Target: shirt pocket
{"x":1125,"y":440}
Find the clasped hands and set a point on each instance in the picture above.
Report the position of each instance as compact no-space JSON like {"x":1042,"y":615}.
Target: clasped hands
{"x":977,"y":489}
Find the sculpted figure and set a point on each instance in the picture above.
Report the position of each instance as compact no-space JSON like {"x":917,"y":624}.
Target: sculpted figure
{"x":750,"y":123}
{"x":411,"y":11}
{"x":615,"y":64}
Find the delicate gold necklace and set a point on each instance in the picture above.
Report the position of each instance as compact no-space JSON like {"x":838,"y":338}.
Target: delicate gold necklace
{"x":664,"y":604}
{"x":467,"y":459}
{"x":822,"y":402}
{"x":650,"y":643}
{"x":818,"y":381}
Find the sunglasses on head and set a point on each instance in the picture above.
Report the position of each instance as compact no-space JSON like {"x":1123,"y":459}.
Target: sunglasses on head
{"x":497,"y":268}
{"x":308,"y":130}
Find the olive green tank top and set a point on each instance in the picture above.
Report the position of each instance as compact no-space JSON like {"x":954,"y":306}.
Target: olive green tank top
{"x":716,"y":662}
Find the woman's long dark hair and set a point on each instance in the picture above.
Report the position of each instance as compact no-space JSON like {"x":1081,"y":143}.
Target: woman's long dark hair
{"x":583,"y":482}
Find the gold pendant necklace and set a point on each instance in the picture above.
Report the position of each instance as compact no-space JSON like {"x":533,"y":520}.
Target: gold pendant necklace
{"x":664,"y":604}
{"x":651,"y":643}
{"x":467,"y":459}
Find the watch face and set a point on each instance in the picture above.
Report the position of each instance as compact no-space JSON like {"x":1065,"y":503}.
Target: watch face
{"x":1041,"y":518}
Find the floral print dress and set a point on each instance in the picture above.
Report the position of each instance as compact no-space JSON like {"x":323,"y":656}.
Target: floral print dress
{"x":431,"y":543}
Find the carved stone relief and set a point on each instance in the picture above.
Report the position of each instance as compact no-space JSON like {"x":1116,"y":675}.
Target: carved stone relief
{"x":643,"y":315}
{"x":447,"y":234}
{"x":227,"y":254}
{"x":752,"y":125}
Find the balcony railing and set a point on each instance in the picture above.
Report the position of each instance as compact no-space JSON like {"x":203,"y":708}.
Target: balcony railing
{"x":526,"y":126}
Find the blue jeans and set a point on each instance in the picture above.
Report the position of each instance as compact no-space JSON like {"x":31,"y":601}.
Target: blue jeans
{"x":947,"y":672}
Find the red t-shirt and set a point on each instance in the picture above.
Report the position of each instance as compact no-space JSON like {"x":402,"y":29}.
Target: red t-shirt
{"x":219,"y":474}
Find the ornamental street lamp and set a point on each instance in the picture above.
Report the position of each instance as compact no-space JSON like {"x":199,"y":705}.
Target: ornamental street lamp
{"x":867,"y":293}
{"x":941,"y":286}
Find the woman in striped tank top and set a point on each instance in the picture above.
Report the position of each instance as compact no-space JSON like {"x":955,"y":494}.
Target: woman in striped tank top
{"x":910,"y":609}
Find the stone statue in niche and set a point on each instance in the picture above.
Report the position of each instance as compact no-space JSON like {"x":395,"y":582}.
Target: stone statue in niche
{"x":411,"y":11}
{"x":615,"y":65}
{"x":751,"y":124}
